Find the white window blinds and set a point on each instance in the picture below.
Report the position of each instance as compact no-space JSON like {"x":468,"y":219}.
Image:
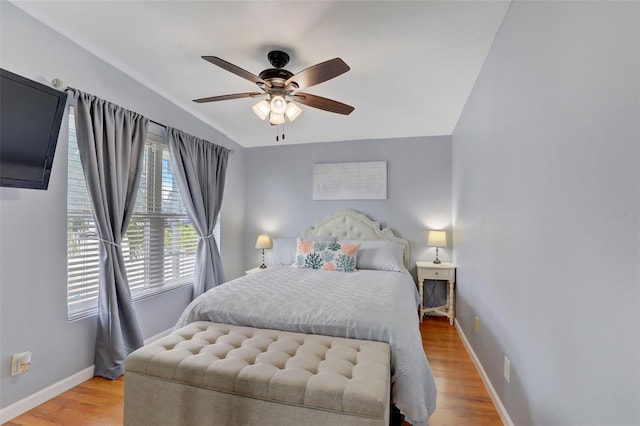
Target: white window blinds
{"x":160,"y":243}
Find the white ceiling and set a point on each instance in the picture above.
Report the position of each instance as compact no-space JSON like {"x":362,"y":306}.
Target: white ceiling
{"x":413,"y":63}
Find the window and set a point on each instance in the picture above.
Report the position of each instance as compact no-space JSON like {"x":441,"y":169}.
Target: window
{"x":160,"y":243}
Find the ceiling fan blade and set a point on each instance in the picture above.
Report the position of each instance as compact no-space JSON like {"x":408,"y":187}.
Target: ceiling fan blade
{"x":318,"y":73}
{"x":226,"y":97}
{"x":235,"y":69}
{"x":323,"y":103}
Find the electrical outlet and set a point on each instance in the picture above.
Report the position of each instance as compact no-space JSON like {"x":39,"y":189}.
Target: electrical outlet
{"x":476,"y":324}
{"x":507,"y":370}
{"x":20,"y":363}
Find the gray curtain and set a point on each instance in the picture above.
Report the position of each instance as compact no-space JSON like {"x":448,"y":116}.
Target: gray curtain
{"x":111,"y":144}
{"x":200,"y":167}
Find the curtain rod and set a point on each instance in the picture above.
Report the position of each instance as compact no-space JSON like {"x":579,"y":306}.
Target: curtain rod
{"x":58,"y":84}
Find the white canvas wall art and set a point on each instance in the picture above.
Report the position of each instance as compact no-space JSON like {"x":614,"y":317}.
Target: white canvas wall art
{"x":350,"y":181}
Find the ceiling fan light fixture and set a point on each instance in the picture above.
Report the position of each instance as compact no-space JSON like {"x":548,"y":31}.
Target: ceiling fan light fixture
{"x":280,"y":87}
{"x":275,"y":118}
{"x":278,"y":105}
{"x":293,"y":111}
{"x":262,"y":109}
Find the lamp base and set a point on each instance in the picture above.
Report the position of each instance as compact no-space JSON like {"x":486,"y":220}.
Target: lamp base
{"x":263,"y":266}
{"x":437,"y":261}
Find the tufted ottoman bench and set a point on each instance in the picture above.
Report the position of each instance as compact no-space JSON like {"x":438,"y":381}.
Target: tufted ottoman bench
{"x":218,"y":374}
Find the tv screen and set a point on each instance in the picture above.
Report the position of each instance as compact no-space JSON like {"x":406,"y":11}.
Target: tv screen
{"x":30,"y":118}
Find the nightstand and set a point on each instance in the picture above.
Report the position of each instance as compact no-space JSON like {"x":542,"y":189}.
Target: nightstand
{"x":438,"y":271}
{"x":253,"y":270}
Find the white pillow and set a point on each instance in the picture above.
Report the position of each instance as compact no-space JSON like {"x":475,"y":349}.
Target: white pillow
{"x":284,"y":249}
{"x":380,"y":255}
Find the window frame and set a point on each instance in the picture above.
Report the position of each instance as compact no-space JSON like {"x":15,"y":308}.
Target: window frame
{"x":155,"y":137}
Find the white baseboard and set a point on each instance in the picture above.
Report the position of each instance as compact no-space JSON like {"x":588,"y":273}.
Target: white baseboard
{"x":502,"y":412}
{"x":42,"y":396}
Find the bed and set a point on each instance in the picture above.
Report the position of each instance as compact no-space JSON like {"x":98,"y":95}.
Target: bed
{"x":369,"y":304}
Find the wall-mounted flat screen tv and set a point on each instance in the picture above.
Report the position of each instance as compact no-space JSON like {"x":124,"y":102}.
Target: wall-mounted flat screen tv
{"x":30,"y":118}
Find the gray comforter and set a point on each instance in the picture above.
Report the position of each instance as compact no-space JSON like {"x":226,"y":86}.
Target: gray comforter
{"x":366,"y":304}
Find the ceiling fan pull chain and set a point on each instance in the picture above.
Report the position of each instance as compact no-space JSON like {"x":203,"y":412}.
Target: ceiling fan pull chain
{"x":277,"y":137}
{"x":283,"y":131}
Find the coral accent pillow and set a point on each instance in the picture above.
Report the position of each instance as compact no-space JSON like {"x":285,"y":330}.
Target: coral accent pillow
{"x":284,"y":249}
{"x":327,"y":255}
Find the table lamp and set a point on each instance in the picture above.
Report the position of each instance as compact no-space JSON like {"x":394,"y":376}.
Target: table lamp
{"x":437,"y":239}
{"x":263,"y":242}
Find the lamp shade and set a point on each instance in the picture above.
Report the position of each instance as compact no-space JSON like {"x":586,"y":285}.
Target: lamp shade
{"x":262,"y":109}
{"x":275,"y":118}
{"x":278,"y":104}
{"x":263,"y":242}
{"x":292,"y":111}
{"x":437,"y":239}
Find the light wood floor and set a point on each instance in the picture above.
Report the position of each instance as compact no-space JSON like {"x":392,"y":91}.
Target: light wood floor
{"x":462,"y":398}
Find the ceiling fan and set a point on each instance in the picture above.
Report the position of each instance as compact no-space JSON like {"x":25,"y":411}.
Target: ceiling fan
{"x":281,"y":87}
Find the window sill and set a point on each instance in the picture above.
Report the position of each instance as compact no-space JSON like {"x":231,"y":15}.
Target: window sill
{"x":154,"y":291}
{"x":135,"y":297}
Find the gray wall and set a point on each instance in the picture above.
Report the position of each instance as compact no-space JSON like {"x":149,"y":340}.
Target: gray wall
{"x":33,"y":312}
{"x":279,"y":189}
{"x":546,"y":195}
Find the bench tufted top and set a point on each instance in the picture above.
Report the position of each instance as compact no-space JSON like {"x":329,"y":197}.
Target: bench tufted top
{"x":333,"y":373}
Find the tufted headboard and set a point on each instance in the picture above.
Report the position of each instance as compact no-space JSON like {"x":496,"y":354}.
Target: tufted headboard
{"x":352,"y":225}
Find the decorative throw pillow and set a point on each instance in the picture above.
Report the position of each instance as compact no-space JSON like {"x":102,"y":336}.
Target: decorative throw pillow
{"x":327,"y":255}
{"x":284,"y":249}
